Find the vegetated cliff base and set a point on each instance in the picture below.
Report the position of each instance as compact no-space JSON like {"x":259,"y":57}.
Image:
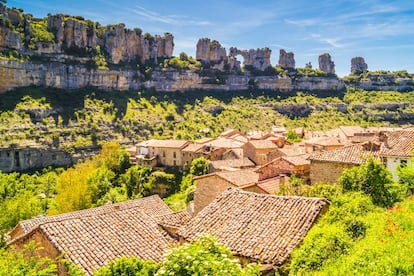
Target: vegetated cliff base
{"x":70,"y":52}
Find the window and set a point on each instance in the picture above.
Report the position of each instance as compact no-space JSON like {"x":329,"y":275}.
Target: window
{"x":175,"y":154}
{"x":163,"y":154}
{"x":403,"y":163}
{"x":175,"y":163}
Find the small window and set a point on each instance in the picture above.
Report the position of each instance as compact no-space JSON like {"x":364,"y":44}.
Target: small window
{"x":163,"y":154}
{"x":175,"y":163}
{"x":175,"y":154}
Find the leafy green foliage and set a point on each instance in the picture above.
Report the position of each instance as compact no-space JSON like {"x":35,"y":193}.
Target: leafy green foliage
{"x":183,"y":62}
{"x":374,"y":180}
{"x":292,"y":136}
{"x":204,"y":257}
{"x":135,"y":179}
{"x":199,"y":166}
{"x":26,"y":262}
{"x":40,"y":33}
{"x":406,"y":178}
{"x":100,"y":60}
{"x":128,"y":266}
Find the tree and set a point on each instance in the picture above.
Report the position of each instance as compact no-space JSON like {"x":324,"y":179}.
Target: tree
{"x":199,"y":166}
{"x":204,"y":257}
{"x":113,"y":157}
{"x":374,"y":180}
{"x":134,"y":179}
{"x":26,"y":262}
{"x":292,"y":136}
{"x":131,"y":266}
{"x":406,"y":178}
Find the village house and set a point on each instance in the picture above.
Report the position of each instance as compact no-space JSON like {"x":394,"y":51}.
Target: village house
{"x":260,"y":151}
{"x":92,"y":238}
{"x":328,"y":166}
{"x":286,"y":165}
{"x":161,"y":153}
{"x":394,"y":149}
{"x":322,"y":144}
{"x":256,"y":227}
{"x":230,"y":165}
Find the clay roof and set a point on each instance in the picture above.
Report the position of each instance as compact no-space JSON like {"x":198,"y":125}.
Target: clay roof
{"x":260,"y":227}
{"x":297,"y":160}
{"x":164,"y":143}
{"x":400,"y":144}
{"x":151,"y":205}
{"x":351,"y":130}
{"x":240,"y":178}
{"x":324,"y":141}
{"x":263,"y":144}
{"x":204,"y":140}
{"x":192,"y":147}
{"x":225,"y":143}
{"x":354,"y":154}
{"x":270,"y":186}
{"x":92,"y":239}
{"x":177,"y":219}
{"x":292,"y":150}
{"x":232,"y":163}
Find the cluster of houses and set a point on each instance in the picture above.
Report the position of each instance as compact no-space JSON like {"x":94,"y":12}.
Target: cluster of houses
{"x":260,"y":162}
{"x":234,"y":202}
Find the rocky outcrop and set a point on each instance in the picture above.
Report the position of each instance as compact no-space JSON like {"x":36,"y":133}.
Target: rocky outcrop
{"x":210,"y":51}
{"x":58,"y":75}
{"x":358,"y":65}
{"x":9,"y":39}
{"x":257,"y":58}
{"x":286,"y":59}
{"x":326,"y":64}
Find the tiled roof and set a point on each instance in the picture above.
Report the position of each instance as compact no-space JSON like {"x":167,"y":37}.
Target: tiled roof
{"x":351,"y":130}
{"x":90,"y":239}
{"x":270,"y":186}
{"x":263,"y":144}
{"x":151,"y":205}
{"x":177,"y":219}
{"x":298,"y":160}
{"x":232,"y":163}
{"x":225,"y":143}
{"x":354,"y":154}
{"x":292,"y":150}
{"x":164,"y":143}
{"x":192,"y":147}
{"x":324,"y":141}
{"x":260,"y":227}
{"x":400,"y":144}
{"x":240,"y":178}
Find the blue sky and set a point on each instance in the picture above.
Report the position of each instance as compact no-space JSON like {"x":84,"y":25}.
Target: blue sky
{"x":380,"y":31}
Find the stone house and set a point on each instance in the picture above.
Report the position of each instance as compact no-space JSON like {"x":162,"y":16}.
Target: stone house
{"x":161,"y":152}
{"x":286,"y":165}
{"x":230,"y":164}
{"x":256,"y":227}
{"x":260,"y":151}
{"x":394,"y":149}
{"x":92,"y":238}
{"x":328,"y":166}
{"x":211,"y":185}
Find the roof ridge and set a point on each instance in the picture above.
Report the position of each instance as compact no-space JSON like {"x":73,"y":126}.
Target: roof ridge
{"x":240,"y":191}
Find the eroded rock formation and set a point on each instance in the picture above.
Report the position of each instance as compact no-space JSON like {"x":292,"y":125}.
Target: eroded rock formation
{"x":286,"y":59}
{"x":358,"y":65}
{"x":326,"y":64}
{"x":257,"y":58}
{"x":210,"y":51}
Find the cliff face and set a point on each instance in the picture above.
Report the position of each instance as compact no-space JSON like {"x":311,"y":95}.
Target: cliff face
{"x":54,"y":74}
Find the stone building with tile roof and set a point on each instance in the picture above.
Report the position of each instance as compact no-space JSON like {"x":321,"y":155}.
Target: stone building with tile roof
{"x":91,"y":238}
{"x":256,"y":227}
{"x":260,"y":151}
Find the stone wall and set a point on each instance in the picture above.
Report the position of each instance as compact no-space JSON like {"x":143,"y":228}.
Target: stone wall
{"x":208,"y":187}
{"x":326,"y":172}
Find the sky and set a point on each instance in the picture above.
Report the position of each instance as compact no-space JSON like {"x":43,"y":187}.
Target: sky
{"x":382,"y":32}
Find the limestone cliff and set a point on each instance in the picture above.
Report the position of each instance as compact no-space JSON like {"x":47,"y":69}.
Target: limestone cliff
{"x":326,"y":64}
{"x":358,"y":65}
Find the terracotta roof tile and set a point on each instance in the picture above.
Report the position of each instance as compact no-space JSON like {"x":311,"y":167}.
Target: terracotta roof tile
{"x":91,"y":238}
{"x":297,"y":160}
{"x":151,"y":205}
{"x":164,"y":143}
{"x":260,"y":227}
{"x":232,"y":163}
{"x":354,"y":154}
{"x":240,"y":178}
{"x":270,"y":186}
{"x":177,"y":219}
{"x":400,"y":144}
{"x":263,"y":144}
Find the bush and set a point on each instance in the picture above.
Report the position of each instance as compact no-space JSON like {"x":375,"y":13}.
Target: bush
{"x":128,"y":266}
